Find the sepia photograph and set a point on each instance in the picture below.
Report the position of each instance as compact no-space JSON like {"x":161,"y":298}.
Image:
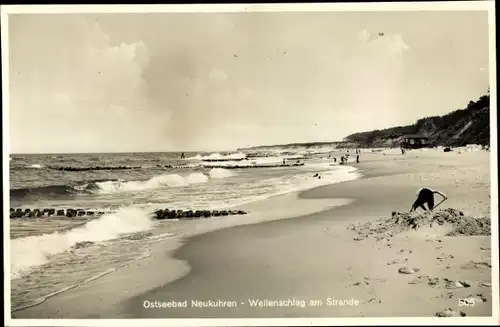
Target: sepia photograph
{"x":250,"y":164}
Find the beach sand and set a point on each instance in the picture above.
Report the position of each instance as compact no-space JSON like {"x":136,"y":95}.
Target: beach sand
{"x":313,"y":255}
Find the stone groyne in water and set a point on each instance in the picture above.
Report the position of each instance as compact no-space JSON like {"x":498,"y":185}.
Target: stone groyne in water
{"x":234,"y":166}
{"x":158,"y":214}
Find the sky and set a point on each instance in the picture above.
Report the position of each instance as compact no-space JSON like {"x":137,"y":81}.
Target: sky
{"x":222,"y":81}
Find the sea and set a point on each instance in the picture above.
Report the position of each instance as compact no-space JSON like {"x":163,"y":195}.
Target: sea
{"x":50,"y":255}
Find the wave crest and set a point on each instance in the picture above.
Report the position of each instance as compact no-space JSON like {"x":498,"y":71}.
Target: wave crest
{"x":218,"y":156}
{"x":160,"y":181}
{"x":107,"y":186}
{"x":220,"y":173}
{"x":32,"y":251}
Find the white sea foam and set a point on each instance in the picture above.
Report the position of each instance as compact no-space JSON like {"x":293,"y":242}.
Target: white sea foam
{"x":331,"y":176}
{"x":303,"y":150}
{"x":220,"y":173}
{"x":168,"y":180}
{"x":256,"y":190}
{"x":156,"y":182}
{"x":286,"y":184}
{"x":32,"y":251}
{"x":274,"y":161}
{"x":218,"y":156}
{"x":196,"y":178}
{"x":36,"y":166}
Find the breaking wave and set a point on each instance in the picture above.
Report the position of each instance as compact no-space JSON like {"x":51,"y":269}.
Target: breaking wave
{"x":169,"y":180}
{"x":108,"y":186}
{"x":32,"y":251}
{"x":50,"y":191}
{"x":218,"y":156}
{"x":36,"y":166}
{"x":220,"y":173}
{"x":42,"y":192}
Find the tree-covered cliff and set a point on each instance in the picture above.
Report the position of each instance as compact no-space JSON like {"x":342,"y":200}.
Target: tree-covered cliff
{"x":470,"y":125}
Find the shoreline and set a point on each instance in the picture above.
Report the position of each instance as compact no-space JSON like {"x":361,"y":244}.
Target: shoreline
{"x":201,"y":268}
{"x":188,"y":248}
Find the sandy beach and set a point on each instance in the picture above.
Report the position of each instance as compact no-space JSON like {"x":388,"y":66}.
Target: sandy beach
{"x":300,"y":249}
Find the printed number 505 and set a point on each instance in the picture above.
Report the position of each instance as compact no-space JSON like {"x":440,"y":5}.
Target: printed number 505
{"x":466,"y":302}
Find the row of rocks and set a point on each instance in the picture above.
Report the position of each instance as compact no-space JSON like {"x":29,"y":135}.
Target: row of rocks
{"x":28,"y":213}
{"x":176,"y":214}
{"x":159,"y":214}
{"x":253,"y":166}
{"x":93,"y":168}
{"x":171,"y":166}
{"x":176,"y":167}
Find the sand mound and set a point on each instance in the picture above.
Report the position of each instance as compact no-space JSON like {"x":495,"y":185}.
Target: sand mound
{"x":472,"y":226}
{"x":460,"y":224}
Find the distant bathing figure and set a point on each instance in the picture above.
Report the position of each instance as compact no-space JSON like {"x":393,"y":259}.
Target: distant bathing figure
{"x":402,"y":150}
{"x":426,"y":195}
{"x":357,"y":158}
{"x":334,"y":159}
{"x":284,"y":161}
{"x":183,"y":156}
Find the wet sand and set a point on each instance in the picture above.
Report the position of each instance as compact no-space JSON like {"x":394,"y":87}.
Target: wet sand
{"x":314,"y":257}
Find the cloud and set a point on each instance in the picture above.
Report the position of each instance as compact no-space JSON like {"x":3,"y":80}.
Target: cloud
{"x":189,"y":81}
{"x":381,"y":43}
{"x":372,"y":72}
{"x":63,"y":70}
{"x":217,"y":76}
{"x":183,"y":93}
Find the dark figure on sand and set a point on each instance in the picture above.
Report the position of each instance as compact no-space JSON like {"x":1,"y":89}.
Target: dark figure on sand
{"x":182,"y":155}
{"x":357,"y":158}
{"x":426,"y":195}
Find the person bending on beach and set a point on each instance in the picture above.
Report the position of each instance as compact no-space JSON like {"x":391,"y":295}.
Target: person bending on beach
{"x":426,"y":195}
